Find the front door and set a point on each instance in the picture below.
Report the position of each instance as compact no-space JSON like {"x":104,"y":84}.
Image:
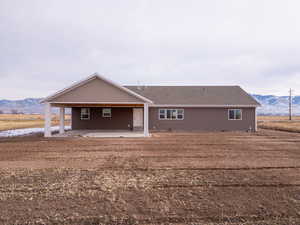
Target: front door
{"x":137,"y":118}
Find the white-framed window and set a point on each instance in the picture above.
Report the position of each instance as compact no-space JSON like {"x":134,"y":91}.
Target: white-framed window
{"x":85,"y":114}
{"x":180,"y":114}
{"x":106,"y":112}
{"x":234,"y":114}
{"x":171,"y":114}
{"x":162,"y":114}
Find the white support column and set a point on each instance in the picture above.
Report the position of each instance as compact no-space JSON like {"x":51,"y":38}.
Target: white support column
{"x":255,"y":129}
{"x":61,"y":120}
{"x":146,"y":119}
{"x":71,"y":115}
{"x":47,"y":132}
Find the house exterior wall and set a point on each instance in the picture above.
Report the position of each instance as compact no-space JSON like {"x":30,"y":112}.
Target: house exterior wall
{"x":195,"y":119}
{"x":96,"y":90}
{"x":203,"y":119}
{"x":121,"y":119}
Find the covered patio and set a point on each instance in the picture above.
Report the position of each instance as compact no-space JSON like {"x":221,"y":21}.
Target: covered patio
{"x":139,"y":121}
{"x":99,"y":105}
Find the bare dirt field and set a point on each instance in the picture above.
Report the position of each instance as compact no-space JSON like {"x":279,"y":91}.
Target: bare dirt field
{"x":170,"y":178}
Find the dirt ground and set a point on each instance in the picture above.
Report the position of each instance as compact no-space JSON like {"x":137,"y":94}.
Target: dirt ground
{"x":170,"y":178}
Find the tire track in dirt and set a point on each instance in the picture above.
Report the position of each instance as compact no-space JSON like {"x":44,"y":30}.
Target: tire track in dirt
{"x":220,"y":220}
{"x":204,"y":168}
{"x":279,"y":185}
{"x":128,"y":220}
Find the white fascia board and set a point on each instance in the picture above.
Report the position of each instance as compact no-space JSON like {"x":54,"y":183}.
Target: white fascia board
{"x":89,"y":78}
{"x":206,"y":106}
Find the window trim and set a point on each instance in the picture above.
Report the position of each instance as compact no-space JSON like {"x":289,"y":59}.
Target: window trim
{"x":234,"y":115}
{"x":89,"y":113}
{"x":106,"y":116}
{"x":182,"y":114}
{"x":165,"y":114}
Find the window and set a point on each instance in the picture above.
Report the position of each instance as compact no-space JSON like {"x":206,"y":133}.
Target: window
{"x":235,"y":114}
{"x":174,"y":114}
{"x":85,"y":114}
{"x":180,"y":113}
{"x":106,"y":112}
{"x":171,"y":114}
{"x":162,"y":114}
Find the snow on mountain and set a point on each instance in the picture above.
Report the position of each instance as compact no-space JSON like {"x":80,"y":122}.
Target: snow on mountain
{"x":28,"y":105}
{"x":271,"y":105}
{"x":277,"y":105}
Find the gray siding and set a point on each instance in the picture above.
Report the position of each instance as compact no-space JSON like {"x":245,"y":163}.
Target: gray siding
{"x":121,"y":119}
{"x":195,"y":119}
{"x":203,"y":119}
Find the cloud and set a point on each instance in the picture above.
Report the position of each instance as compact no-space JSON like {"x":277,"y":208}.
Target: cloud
{"x":48,"y":45}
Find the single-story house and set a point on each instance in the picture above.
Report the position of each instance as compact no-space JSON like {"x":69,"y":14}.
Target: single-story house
{"x":100,"y":104}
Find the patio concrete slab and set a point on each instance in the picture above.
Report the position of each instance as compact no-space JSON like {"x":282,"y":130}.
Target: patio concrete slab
{"x":114,"y":134}
{"x":100,"y":133}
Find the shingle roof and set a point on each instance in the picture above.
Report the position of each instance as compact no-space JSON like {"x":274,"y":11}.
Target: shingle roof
{"x":196,"y":95}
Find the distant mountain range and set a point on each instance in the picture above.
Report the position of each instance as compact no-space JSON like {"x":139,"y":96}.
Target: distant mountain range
{"x":271,"y":105}
{"x":277,"y":105}
{"x":28,"y":106}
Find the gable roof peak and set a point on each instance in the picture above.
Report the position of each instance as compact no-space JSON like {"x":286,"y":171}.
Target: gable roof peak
{"x":92,"y":77}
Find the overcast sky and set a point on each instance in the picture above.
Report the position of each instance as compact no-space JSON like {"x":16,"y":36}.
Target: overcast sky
{"x":47,"y":45}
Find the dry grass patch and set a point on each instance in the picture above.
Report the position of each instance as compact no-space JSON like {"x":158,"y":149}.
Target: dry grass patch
{"x":19,"y":121}
{"x":290,"y":126}
{"x":281,"y":123}
{"x":277,"y":118}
